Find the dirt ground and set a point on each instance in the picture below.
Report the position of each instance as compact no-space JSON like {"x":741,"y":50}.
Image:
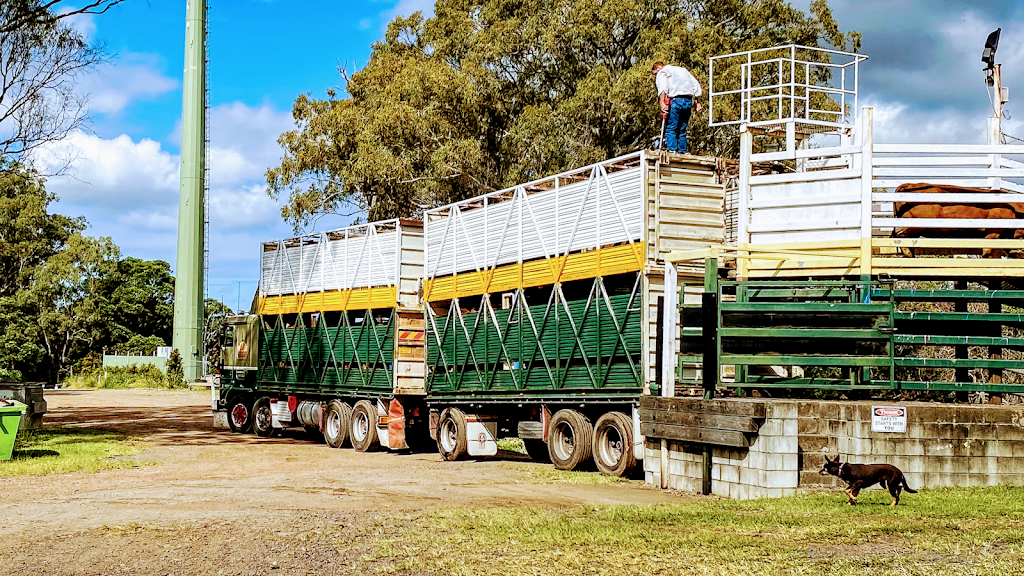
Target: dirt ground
{"x":212,"y":502}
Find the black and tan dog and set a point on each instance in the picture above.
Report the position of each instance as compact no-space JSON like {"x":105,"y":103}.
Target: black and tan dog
{"x":860,"y":476}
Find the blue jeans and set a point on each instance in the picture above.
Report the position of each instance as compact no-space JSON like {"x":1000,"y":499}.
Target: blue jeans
{"x":679,"y":110}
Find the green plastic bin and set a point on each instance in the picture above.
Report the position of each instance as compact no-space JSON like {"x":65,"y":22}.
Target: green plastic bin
{"x":10,"y":418}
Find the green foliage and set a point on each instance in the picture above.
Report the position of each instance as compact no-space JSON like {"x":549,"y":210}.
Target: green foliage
{"x":490,"y":93}
{"x":29,"y":234}
{"x":175,"y":370}
{"x":139,"y":345}
{"x":63,"y":450}
{"x":139,"y":301}
{"x":64,"y":295}
{"x":122,"y":377}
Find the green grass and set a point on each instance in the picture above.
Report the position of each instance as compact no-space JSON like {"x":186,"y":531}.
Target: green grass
{"x":949,"y":531}
{"x":62,"y":450}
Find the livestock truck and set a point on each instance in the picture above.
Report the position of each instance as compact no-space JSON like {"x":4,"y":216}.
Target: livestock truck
{"x":530,"y":312}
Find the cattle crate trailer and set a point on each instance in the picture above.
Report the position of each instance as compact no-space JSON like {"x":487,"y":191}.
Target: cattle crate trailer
{"x":541,"y":305}
{"x":336,"y":343}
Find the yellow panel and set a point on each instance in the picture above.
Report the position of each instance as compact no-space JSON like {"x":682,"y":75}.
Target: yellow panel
{"x":355,"y":299}
{"x":579,"y":266}
{"x":962,"y":263}
{"x":947,"y":243}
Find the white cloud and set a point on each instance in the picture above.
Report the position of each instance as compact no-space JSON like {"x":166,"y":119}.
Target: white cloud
{"x":117,"y":172}
{"x":901,"y":123}
{"x":113,"y":86}
{"x":242,"y":207}
{"x":128,"y":189}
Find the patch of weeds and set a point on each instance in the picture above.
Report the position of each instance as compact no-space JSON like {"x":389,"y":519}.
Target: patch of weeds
{"x":124,"y":377}
{"x":548,"y":474}
{"x":62,"y":450}
{"x":511,"y":445}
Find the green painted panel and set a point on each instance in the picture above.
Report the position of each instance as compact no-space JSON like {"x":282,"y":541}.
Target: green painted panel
{"x":351,"y":357}
{"x":579,"y":346}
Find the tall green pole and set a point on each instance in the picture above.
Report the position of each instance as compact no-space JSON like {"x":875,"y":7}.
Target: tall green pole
{"x":188,"y":284}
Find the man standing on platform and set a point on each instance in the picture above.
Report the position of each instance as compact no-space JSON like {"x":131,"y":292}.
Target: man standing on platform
{"x":678,"y":92}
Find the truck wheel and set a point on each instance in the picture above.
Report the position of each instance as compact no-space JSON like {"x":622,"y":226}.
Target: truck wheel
{"x":239,"y":415}
{"x":569,"y":441}
{"x":262,"y":423}
{"x":363,"y":430}
{"x":336,"y":423}
{"x":452,"y":440}
{"x":613,"y":444}
{"x":537,"y":450}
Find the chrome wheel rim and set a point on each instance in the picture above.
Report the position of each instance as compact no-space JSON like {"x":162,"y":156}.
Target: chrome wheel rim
{"x":565,"y":441}
{"x":333,"y":425}
{"x":610,"y":446}
{"x":261,"y":418}
{"x":360,"y":426}
{"x":449,"y":435}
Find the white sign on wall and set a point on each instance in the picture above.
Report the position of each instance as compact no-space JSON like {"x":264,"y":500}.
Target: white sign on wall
{"x":888,"y":418}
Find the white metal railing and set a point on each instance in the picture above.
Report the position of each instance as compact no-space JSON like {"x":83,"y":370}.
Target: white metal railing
{"x":997,"y":168}
{"x":850,"y":193}
{"x":589,"y":207}
{"x":794,"y":78}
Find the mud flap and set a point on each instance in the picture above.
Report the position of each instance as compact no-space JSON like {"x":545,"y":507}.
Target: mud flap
{"x":220,"y":420}
{"x":638,"y":438}
{"x":396,"y":426}
{"x":480,"y":437}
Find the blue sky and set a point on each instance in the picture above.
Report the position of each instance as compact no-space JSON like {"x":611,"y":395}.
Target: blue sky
{"x":923,"y":79}
{"x":263,"y":53}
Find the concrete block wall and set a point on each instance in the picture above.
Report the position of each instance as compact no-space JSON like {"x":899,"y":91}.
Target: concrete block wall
{"x":944,"y":445}
{"x":767,"y":469}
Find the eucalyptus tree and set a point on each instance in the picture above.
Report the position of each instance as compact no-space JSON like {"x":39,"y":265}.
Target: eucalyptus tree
{"x":488,"y":93}
{"x":42,"y":57}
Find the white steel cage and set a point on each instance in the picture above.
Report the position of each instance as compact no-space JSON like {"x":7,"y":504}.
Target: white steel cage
{"x":361,"y":256}
{"x":590,"y":207}
{"x":783,"y":86}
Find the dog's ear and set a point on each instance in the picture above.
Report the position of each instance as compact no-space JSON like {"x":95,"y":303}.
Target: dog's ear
{"x":827,"y":459}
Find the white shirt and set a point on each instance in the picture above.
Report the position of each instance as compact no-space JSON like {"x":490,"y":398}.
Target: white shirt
{"x":677,"y":81}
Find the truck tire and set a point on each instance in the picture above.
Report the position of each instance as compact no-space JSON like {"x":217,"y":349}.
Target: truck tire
{"x":569,"y":440}
{"x":537,"y":450}
{"x":613,"y":444}
{"x":337,"y":421}
{"x":239,"y":414}
{"x":262,"y":419}
{"x":363,"y":428}
{"x":452,"y":441}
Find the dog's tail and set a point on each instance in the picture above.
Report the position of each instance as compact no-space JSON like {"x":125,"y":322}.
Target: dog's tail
{"x":903,"y":480}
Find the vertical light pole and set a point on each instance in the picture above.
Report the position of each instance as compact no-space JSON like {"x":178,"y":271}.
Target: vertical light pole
{"x":188,"y":283}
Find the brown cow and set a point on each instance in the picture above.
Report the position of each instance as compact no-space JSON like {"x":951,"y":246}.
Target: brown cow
{"x":963,"y":211}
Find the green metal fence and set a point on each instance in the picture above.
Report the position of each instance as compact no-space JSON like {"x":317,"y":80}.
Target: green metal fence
{"x":845,"y":335}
